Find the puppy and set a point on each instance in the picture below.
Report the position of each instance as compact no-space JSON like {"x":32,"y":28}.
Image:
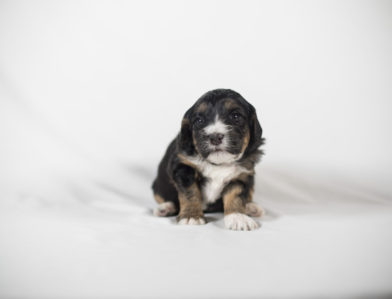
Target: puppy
{"x":209,"y":166}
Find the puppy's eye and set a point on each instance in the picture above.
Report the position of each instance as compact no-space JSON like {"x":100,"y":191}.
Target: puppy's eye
{"x":235,"y":116}
{"x":198,"y":121}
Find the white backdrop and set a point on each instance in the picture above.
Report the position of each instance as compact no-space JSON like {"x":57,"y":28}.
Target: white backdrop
{"x":92,"y":90}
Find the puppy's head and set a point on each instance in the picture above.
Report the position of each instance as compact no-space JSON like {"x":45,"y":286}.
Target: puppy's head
{"x":221,"y":127}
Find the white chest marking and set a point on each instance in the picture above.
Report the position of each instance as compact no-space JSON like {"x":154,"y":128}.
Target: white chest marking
{"x":218,"y":176}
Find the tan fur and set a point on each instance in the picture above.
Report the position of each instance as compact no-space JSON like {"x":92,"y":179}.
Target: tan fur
{"x":185,"y":161}
{"x":159,"y":198}
{"x":190,"y":203}
{"x":230,"y":104}
{"x":245,"y":141}
{"x":202,"y":108}
{"x":195,"y":143}
{"x":232,"y":203}
{"x":184,"y":122}
{"x":250,"y":196}
{"x":243,"y":177}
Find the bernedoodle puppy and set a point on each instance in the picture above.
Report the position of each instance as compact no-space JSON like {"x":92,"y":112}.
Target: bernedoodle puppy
{"x":209,"y":166}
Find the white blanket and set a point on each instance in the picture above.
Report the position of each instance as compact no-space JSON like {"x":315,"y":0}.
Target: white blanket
{"x":83,"y":230}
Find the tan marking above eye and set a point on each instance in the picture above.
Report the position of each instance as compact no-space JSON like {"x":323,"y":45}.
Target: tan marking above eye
{"x":230,"y":104}
{"x":201,"y":108}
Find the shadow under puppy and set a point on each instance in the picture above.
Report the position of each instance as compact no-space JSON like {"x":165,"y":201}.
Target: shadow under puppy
{"x":209,"y":166}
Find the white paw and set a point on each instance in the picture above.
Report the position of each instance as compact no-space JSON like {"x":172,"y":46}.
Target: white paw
{"x":254,"y":210}
{"x":239,"y":221}
{"x":165,"y":209}
{"x":192,"y":221}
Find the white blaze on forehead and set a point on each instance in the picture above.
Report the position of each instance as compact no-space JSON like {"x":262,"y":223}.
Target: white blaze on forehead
{"x":216,"y":127}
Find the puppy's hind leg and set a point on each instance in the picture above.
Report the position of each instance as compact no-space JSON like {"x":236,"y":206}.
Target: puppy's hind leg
{"x":252,"y":209}
{"x":164,"y":208}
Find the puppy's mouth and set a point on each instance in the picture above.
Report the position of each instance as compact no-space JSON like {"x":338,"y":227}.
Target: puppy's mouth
{"x":217,"y":149}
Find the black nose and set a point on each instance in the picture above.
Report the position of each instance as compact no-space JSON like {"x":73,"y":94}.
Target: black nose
{"x":216,"y":139}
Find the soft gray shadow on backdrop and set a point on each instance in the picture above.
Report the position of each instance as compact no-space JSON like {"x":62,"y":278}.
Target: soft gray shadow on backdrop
{"x":279,"y":191}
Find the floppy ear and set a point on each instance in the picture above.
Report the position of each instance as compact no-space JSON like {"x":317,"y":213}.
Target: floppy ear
{"x":255,"y":131}
{"x":185,"y":138}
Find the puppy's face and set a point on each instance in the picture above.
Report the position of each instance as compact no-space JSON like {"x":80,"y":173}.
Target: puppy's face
{"x":221,"y":125}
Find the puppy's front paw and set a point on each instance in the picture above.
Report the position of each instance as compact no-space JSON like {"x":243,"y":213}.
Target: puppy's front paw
{"x":192,"y":221}
{"x":239,"y":221}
